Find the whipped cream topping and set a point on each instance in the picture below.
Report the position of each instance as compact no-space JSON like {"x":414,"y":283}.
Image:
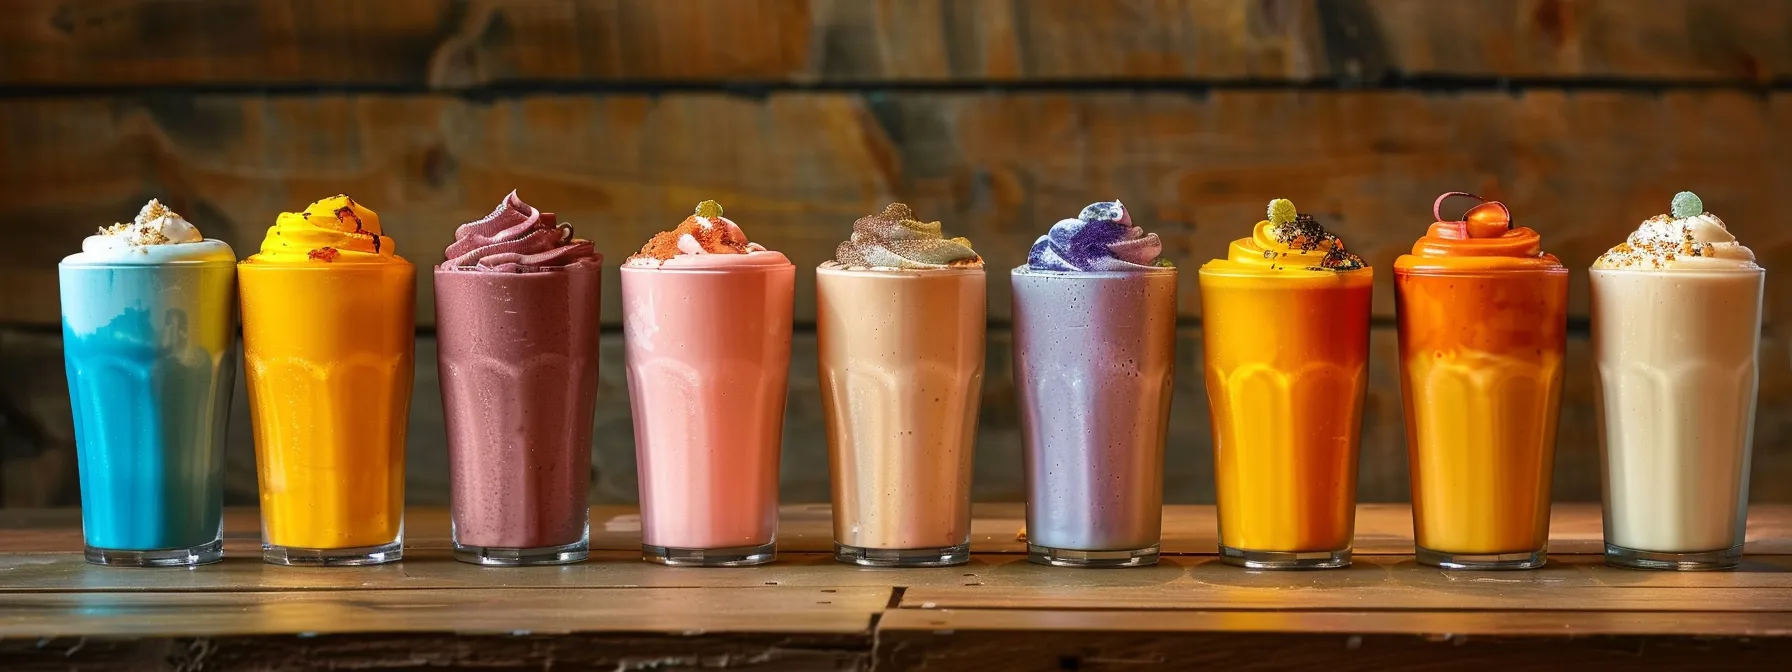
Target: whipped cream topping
{"x":1687,"y":239}
{"x":895,"y":240}
{"x":518,"y":238}
{"x":157,"y":235}
{"x":704,"y":239}
{"x":154,"y":225}
{"x":1100,"y":238}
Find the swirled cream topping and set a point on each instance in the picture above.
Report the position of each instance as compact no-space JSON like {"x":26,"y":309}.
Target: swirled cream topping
{"x":1287,"y":242}
{"x":518,"y":238}
{"x":895,"y":240}
{"x":1687,"y":238}
{"x":1100,"y":238}
{"x":1484,"y":239}
{"x":333,"y":230}
{"x":157,"y":235}
{"x":704,"y":239}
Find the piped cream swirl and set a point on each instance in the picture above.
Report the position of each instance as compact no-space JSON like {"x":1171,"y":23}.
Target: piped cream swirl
{"x":518,"y":238}
{"x":895,"y":240}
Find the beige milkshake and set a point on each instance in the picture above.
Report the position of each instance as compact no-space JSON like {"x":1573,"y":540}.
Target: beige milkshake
{"x":1676,"y":329}
{"x":900,"y":320}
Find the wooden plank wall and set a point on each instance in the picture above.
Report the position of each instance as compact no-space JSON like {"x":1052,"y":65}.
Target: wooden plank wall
{"x":997,"y":117}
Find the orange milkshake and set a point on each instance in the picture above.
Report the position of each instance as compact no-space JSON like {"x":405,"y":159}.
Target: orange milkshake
{"x":328,"y":333}
{"x":1483,"y":320}
{"x":1285,"y":326}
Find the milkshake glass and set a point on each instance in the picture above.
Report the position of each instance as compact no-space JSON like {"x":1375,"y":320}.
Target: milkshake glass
{"x":328,"y":337}
{"x":1676,"y":332}
{"x":900,"y":320}
{"x":706,"y":318}
{"x":1483,"y":331}
{"x":148,"y":318}
{"x":1285,"y":328}
{"x":516,"y":328}
{"x":1094,"y":356}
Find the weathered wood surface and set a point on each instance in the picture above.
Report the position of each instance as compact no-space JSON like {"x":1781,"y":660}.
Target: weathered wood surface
{"x":795,"y":169}
{"x":506,"y":610}
{"x":41,"y":556}
{"x":443,"y":44}
{"x":1284,"y":648}
{"x":37,"y":459}
{"x":807,"y":612}
{"x":437,"y":651}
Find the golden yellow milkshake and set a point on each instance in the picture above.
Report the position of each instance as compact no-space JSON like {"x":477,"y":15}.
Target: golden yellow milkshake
{"x":1285,"y":325}
{"x":328,"y":335}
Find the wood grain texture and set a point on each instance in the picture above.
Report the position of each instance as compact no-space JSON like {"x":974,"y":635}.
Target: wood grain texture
{"x":994,"y":571}
{"x":521,"y":611}
{"x":1439,"y":625}
{"x":808,"y":612}
{"x":795,"y":169}
{"x":503,"y":652}
{"x":37,"y":458}
{"x":1017,"y":650}
{"x":443,"y":44}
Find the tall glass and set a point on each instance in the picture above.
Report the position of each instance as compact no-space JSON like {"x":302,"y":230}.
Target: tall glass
{"x":708,"y":352}
{"x":1094,"y":357}
{"x":1481,"y":356}
{"x":329,"y":350}
{"x":517,"y":353}
{"x":901,"y":371}
{"x":1677,"y":353}
{"x":1287,"y":358}
{"x":150,"y":352}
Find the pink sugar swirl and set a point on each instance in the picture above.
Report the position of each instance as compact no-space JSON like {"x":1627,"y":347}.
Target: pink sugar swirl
{"x":518,"y":238}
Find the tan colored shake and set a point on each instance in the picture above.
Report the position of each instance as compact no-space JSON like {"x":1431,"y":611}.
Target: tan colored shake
{"x":900,"y":321}
{"x":1676,"y":332}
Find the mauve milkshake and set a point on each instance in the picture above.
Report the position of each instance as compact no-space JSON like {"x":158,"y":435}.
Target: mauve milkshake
{"x":1676,"y":335}
{"x":516,"y":319}
{"x":706,"y":317}
{"x":900,"y":325}
{"x":1094,"y":350}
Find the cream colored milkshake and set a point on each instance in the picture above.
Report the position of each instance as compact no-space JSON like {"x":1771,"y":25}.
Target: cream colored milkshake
{"x":1676,"y":329}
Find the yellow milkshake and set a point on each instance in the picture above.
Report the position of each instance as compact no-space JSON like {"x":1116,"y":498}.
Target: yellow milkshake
{"x":328,"y":337}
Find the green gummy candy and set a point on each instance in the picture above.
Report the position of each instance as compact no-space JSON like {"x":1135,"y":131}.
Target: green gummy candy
{"x":709,"y":209}
{"x":1281,"y":211}
{"x":1687,"y":204}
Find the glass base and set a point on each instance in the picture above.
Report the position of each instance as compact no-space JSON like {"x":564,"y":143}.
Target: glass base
{"x":1480,"y":561}
{"x":1618,"y":556}
{"x":1064,"y":557}
{"x":491,"y":556}
{"x":294,"y":556}
{"x":945,"y":556}
{"x":739,"y":556}
{"x":203,"y":554}
{"x":1284,"y":559}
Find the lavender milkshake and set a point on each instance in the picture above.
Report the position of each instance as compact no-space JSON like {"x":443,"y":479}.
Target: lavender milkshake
{"x":516,"y":318}
{"x":1094,"y":353}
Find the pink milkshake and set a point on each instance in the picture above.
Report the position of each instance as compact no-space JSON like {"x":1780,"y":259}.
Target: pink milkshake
{"x":706,"y":320}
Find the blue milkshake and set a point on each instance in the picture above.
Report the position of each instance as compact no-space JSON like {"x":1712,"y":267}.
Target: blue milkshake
{"x":148,"y":317}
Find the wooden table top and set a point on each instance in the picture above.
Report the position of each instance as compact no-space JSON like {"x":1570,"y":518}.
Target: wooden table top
{"x":807,"y":612}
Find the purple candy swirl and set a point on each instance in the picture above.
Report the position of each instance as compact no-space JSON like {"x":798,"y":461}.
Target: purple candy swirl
{"x":1101,"y":238}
